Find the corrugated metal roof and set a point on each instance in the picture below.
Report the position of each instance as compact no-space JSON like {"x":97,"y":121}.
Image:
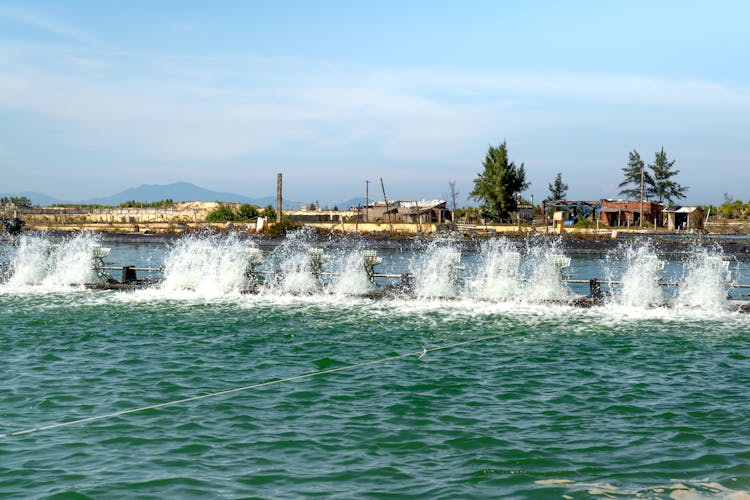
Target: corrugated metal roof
{"x":681,"y":210}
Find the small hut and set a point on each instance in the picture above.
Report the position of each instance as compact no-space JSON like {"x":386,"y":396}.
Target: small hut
{"x":679,"y":217}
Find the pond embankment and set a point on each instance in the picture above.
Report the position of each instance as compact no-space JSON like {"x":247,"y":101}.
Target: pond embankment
{"x":574,"y":244}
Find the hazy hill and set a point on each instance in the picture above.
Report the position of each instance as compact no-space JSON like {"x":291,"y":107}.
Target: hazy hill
{"x":181,"y":191}
{"x":178,"y":191}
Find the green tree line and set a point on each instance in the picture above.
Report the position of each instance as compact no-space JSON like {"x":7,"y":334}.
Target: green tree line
{"x":243,"y":214}
{"x":17,"y":201}
{"x":167,"y":202}
{"x":730,"y":209}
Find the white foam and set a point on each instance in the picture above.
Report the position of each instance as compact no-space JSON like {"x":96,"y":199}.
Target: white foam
{"x":498,"y":274}
{"x":351,"y":278}
{"x":640,"y":288}
{"x":706,"y":280}
{"x":546,"y":264}
{"x":38,"y":262}
{"x":503,"y":279}
{"x":208,"y":265}
{"x":436,"y":270}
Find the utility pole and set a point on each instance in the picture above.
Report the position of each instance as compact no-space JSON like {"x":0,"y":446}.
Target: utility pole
{"x":642,"y":176}
{"x":367,"y":201}
{"x":533,"y":225}
{"x":278,"y":198}
{"x":454,"y":194}
{"x":518,"y":210}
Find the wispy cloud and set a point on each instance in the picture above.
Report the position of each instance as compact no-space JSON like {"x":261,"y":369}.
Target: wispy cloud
{"x":214,"y":109}
{"x":41,"y":21}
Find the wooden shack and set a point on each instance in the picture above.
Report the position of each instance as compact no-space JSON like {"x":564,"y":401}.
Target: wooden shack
{"x":679,"y":217}
{"x":621,"y":213}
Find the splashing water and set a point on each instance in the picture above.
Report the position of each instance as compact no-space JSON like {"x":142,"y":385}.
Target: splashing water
{"x":352,"y":278}
{"x":436,"y":271}
{"x":209,"y":265}
{"x":547,"y":264}
{"x":502,"y":272}
{"x":498,"y":276}
{"x":640,"y":286}
{"x":706,"y":280}
{"x":298,"y":265}
{"x":38,"y":261}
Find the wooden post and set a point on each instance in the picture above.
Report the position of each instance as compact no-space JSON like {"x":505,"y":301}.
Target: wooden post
{"x":598,"y":216}
{"x":128,"y":274}
{"x":595,"y":289}
{"x":387,"y":208}
{"x":532,"y":210}
{"x":642,"y":175}
{"x":278,"y":198}
{"x":518,"y":210}
{"x":419,"y":217}
{"x":367,"y":201}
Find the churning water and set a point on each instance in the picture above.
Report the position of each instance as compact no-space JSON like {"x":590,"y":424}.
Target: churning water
{"x":644,"y":396}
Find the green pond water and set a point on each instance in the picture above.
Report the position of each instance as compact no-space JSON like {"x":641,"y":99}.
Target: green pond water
{"x":558,"y":402}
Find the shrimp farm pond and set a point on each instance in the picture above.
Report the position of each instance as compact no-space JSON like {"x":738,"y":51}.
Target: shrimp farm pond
{"x":221,"y":366}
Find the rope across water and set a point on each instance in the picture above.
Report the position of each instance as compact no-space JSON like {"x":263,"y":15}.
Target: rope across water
{"x":419,"y":354}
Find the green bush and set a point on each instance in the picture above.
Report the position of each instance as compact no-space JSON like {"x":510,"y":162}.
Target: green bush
{"x":20,"y":202}
{"x":585,"y":223}
{"x":247,"y":212}
{"x":735,"y":210}
{"x":282,"y":228}
{"x":268,"y":212}
{"x":167,"y":202}
{"x":221,"y":214}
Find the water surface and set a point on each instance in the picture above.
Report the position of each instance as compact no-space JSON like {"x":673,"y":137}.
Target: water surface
{"x":625,"y":400}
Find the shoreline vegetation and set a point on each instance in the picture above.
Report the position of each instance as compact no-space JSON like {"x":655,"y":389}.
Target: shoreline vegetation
{"x":167,"y":218}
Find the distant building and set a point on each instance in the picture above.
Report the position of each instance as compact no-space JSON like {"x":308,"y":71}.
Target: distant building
{"x":619,"y":213}
{"x":574,"y":209}
{"x":308,"y":216}
{"x":407,"y":211}
{"x":525,"y":212}
{"x":679,"y":217}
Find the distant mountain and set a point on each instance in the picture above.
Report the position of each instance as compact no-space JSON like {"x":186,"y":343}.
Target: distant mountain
{"x":179,"y":191}
{"x":352,"y":202}
{"x":149,"y":193}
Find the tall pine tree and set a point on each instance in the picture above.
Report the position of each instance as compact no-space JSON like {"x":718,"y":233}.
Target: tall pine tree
{"x":665,"y":189}
{"x":558,"y":190}
{"x":631,"y":184}
{"x":499,"y":184}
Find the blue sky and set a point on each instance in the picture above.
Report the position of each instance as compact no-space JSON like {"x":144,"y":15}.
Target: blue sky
{"x":97,"y":97}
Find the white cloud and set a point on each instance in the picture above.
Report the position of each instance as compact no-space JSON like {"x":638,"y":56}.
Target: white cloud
{"x":180,"y":108}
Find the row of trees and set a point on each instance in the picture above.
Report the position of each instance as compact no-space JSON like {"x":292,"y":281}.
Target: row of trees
{"x":498,"y":187}
{"x":167,"y":202}
{"x":244,"y":213}
{"x":733,"y":209}
{"x":655,"y":183}
{"x":16,"y":201}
